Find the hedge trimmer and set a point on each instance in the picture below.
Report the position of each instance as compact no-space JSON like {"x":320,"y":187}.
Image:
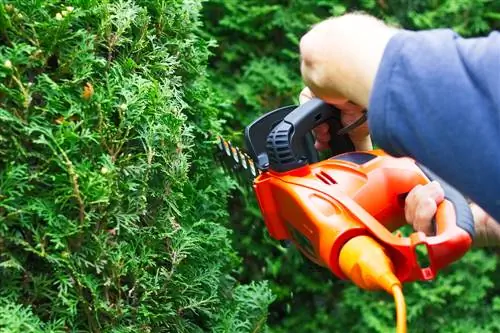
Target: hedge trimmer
{"x":343,"y":212}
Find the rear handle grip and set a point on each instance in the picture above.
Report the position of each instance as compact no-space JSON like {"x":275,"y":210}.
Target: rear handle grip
{"x":463,"y":213}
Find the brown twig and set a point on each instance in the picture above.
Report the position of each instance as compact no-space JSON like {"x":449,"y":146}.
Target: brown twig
{"x":86,"y":305}
{"x":112,"y":41}
{"x":259,"y":325}
{"x":25,"y":92}
{"x":76,"y":189}
{"x":8,"y":42}
{"x":118,"y":148}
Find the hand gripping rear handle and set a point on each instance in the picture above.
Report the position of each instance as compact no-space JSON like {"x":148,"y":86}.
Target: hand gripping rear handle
{"x":454,"y":231}
{"x":463,"y":215}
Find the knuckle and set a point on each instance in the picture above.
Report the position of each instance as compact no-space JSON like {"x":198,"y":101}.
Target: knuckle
{"x":410,"y":198}
{"x":436,"y":188}
{"x":426,"y":210}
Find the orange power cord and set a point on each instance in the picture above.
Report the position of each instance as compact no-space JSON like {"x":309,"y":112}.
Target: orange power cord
{"x":399,"y":299}
{"x":366,"y":263}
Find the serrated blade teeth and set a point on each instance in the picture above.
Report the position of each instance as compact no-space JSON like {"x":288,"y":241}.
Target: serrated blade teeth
{"x":243,"y":159}
{"x":221,"y":145}
{"x":237,"y":162}
{"x":235,"y":154}
{"x":253,"y":169}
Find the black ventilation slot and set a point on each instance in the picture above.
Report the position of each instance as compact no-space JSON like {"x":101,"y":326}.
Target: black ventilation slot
{"x":326,"y":178}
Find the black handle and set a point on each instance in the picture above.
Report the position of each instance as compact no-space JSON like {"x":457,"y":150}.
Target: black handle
{"x":463,"y":213}
{"x":256,"y":137}
{"x":284,"y":147}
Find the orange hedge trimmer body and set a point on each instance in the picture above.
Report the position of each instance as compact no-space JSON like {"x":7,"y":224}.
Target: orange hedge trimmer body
{"x":341,"y":212}
{"x":321,"y":206}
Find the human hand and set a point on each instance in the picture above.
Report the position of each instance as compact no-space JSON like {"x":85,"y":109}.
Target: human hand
{"x":421,"y":206}
{"x":340,"y":57}
{"x":360,"y":136}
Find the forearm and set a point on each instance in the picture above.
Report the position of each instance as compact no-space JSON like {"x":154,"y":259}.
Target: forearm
{"x":340,"y":57}
{"x":487,"y":229}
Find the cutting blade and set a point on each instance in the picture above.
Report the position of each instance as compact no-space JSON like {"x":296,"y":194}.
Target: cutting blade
{"x":236,"y":162}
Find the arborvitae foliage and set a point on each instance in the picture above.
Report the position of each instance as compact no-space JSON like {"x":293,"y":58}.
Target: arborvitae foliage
{"x":110,"y":210}
{"x":257,"y":65}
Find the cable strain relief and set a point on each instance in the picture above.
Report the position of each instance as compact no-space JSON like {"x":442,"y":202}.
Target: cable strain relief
{"x":387,"y":282}
{"x":366,"y":263}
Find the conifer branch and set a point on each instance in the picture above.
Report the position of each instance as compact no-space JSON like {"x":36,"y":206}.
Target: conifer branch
{"x":118,"y":148}
{"x":259,"y":324}
{"x":76,"y":191}
{"x":193,"y":305}
{"x":111,"y":45}
{"x":24,"y":92}
{"x":86,"y":305}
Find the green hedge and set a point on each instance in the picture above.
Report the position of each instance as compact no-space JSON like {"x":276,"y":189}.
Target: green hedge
{"x":113,"y":214}
{"x":111,"y":218}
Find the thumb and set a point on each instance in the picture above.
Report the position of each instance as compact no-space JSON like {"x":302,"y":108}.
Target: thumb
{"x":305,"y":95}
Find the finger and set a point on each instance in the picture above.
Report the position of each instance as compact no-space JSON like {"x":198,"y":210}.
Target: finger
{"x":419,"y":197}
{"x":432,"y":190}
{"x":423,"y":216}
{"x":305,"y":95}
{"x":411,"y":203}
{"x":350,"y":108}
{"x":420,"y":193}
{"x":319,"y":145}
{"x":350,"y":113}
{"x":321,"y":128}
{"x":323,"y":137}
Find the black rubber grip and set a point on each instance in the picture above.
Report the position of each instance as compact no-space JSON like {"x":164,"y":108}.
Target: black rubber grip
{"x":285,"y":143}
{"x":256,"y":137}
{"x":465,"y":219}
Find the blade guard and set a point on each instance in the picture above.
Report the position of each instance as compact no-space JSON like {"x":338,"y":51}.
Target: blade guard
{"x":283,"y":157}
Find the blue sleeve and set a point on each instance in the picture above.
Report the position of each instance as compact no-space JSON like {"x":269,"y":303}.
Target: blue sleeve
{"x":436,"y":98}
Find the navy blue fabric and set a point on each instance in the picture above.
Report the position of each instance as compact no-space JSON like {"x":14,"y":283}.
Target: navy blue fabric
{"x":436,"y":98}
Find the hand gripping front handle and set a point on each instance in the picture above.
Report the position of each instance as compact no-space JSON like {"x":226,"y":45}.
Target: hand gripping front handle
{"x":284,"y":144}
